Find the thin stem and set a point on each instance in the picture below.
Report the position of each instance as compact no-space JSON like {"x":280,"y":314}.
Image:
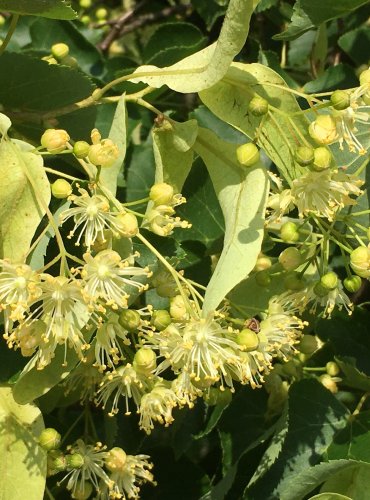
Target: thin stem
{"x":78,"y":419}
{"x":136,"y":202}
{"x":62,"y":174}
{"x":49,"y":494}
{"x":12,"y":26}
{"x":361,"y":167}
{"x":361,"y":403}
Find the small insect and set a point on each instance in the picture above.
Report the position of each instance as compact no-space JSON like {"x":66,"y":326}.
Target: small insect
{"x":253,"y":324}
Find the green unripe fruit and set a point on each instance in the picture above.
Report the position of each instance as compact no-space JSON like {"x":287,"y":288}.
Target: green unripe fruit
{"x":61,"y":189}
{"x":293,"y":282}
{"x":304,"y":156}
{"x":56,"y":462}
{"x":289,"y":232}
{"x":360,"y":261}
{"x":320,"y":290}
{"x":129,"y":319}
{"x":332,"y":368}
{"x":82,"y":491}
{"x":340,"y":100}
{"x":323,"y":129}
{"x":308,"y":344}
{"x":145,"y":360}
{"x":161,"y":319}
{"x":116,"y":459}
{"x":258,"y":106}
{"x":322,"y":159}
{"x":85,"y":4}
{"x":59,"y":51}
{"x":352,"y":284}
{"x":290,"y":258}
{"x":161,"y":194}
{"x":328,"y":383}
{"x":329,"y":281}
{"x":248,"y":154}
{"x":101,"y":14}
{"x":128,"y":226}
{"x":75,"y":460}
{"x":50,"y":439}
{"x":263,"y":278}
{"x":81,"y":149}
{"x":365,"y":77}
{"x":248,"y":339}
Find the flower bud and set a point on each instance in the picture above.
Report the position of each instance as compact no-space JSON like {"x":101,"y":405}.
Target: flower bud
{"x":95,"y":134}
{"x":308,"y":344}
{"x":161,"y":194}
{"x":360,"y":261}
{"x":59,"y":51}
{"x":2,"y":20}
{"x":248,"y":339}
{"x":329,"y":281}
{"x":101,"y":14}
{"x":56,"y":462}
{"x":61,"y":189}
{"x":129,"y":319}
{"x":263,"y":278}
{"x":290,"y":258}
{"x":85,"y":4}
{"x":322,"y":159}
{"x":263,"y":262}
{"x":178,"y":309}
{"x":328,"y":383}
{"x":75,"y":460}
{"x":258,"y":106}
{"x":365,"y":77}
{"x":50,"y":439}
{"x":82,"y":490}
{"x":86,"y":20}
{"x":116,"y":459}
{"x":332,"y":368}
{"x":340,"y":100}
{"x":292,"y":281}
{"x":319,"y":290}
{"x":304,"y":155}
{"x":54,"y":140}
{"x":145,"y":360}
{"x":289,"y":232}
{"x":81,"y":149}
{"x":128,"y":226}
{"x":164,"y":283}
{"x":352,"y":284}
{"x":161,"y":319}
{"x":323,"y":130}
{"x":248,"y":154}
{"x":103,"y":154}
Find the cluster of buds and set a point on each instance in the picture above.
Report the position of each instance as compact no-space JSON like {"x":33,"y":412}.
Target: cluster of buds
{"x":59,"y":54}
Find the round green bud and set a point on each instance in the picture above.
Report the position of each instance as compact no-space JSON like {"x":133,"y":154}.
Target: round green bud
{"x":164,"y":283}
{"x":178,"y":310}
{"x":323,"y":130}
{"x":365,"y":77}
{"x":263,"y":262}
{"x":328,"y":383}
{"x":248,"y":154}
{"x":101,"y":14}
{"x":289,"y":232}
{"x":54,"y":140}
{"x":116,"y":459}
{"x":304,"y":155}
{"x":85,"y":4}
{"x":86,"y":20}
{"x":290,"y":258}
{"x":308,"y":344}
{"x":360,"y":261}
{"x":263,"y":278}
{"x":329,"y":281}
{"x":340,"y":100}
{"x":332,"y":368}
{"x":258,"y":106}
{"x":320,"y":290}
{"x":322,"y":159}
{"x":81,"y":149}
{"x":2,"y":20}
{"x":161,"y":194}
{"x":56,"y":462}
{"x":292,"y":281}
{"x":128,"y":226}
{"x":145,"y":360}
{"x":75,"y":460}
{"x":129,"y":319}
{"x":352,"y":284}
{"x":248,"y":339}
{"x":59,"y":51}
{"x":161,"y":319}
{"x":61,"y":189}
{"x":82,"y":491}
{"x":50,"y":439}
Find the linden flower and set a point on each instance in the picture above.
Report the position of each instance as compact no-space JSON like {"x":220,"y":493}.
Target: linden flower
{"x":103,"y":154}
{"x":125,"y":382}
{"x":92,"y":215}
{"x":108,"y":277}
{"x":323,"y":193}
{"x":85,"y":378}
{"x":160,"y":220}
{"x":280,"y":204}
{"x":108,"y":351}
{"x":185,"y":390}
{"x":128,"y":472}
{"x":157,"y":406}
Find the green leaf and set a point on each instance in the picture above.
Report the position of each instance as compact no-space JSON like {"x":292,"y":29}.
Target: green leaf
{"x":210,"y":11}
{"x":242,"y":194}
{"x":53,"y":9}
{"x":320,"y":12}
{"x":355,"y":43}
{"x":23,"y":468}
{"x":353,"y":482}
{"x":336,"y":77}
{"x":299,"y":24}
{"x":353,"y":377}
{"x":229,"y":100}
{"x":353,"y":442}
{"x":314,"y":416}
{"x":204,"y":68}
{"x":330,"y":496}
{"x":24,"y":196}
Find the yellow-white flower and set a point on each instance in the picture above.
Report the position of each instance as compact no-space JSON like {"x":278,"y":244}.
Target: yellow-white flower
{"x":157,"y":406}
